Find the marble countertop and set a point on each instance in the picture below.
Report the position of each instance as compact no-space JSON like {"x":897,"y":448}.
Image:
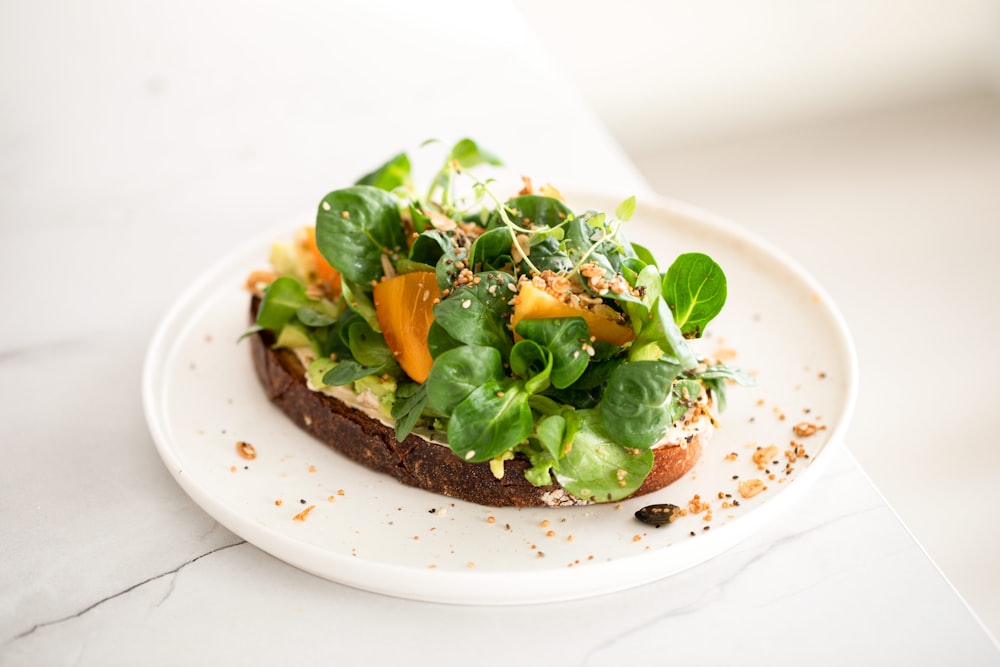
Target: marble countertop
{"x":139,"y":142}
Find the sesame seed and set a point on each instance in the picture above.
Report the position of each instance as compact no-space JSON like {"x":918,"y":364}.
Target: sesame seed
{"x":326,"y":206}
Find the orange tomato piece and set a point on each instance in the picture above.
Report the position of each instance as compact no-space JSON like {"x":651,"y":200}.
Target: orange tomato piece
{"x":534,"y":303}
{"x":324,"y":271}
{"x":404,"y":306}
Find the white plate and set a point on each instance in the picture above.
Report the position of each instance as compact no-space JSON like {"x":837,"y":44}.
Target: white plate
{"x":366,"y":530}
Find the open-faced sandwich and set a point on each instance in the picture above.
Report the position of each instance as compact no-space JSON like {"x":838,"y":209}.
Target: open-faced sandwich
{"x":505,"y":352}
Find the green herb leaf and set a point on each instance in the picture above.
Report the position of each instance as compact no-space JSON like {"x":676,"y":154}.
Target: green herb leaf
{"x":368,"y":346}
{"x":489,"y":248}
{"x":626,"y":209}
{"x":695,"y":288}
{"x":545,"y":254}
{"x":533,"y":363}
{"x":636,"y":408}
{"x":438,"y":340}
{"x":456,"y":373}
{"x":357,"y":299}
{"x":537,"y":211}
{"x":491,"y":420}
{"x":596,"y":467}
{"x":410,"y":401}
{"x":551,"y":432}
{"x":348,"y":371}
{"x":469,"y":154}
{"x":661,"y":337}
{"x":285,"y":300}
{"x":355,"y":226}
{"x":478,"y":313}
{"x":429,"y":246}
{"x":393,"y":174}
{"x":564,"y":337}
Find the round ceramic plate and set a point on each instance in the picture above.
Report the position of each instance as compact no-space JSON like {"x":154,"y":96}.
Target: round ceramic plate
{"x":309,"y":506}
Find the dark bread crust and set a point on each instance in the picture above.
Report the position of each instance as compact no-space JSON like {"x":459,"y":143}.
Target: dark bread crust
{"x":416,"y":461}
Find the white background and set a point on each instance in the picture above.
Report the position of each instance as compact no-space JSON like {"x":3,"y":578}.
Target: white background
{"x":863,"y":137}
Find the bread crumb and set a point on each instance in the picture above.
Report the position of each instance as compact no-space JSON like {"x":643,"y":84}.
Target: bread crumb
{"x":751,"y":487}
{"x":764,"y":454}
{"x":697,"y":506}
{"x":301,"y":516}
{"x":805,"y":429}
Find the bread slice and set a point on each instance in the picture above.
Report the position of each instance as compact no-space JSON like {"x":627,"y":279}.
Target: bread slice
{"x":419,"y":462}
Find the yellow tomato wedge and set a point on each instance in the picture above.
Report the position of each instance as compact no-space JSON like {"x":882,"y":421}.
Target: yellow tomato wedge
{"x":404,"y":306}
{"x":535,"y":303}
{"x":324,"y":271}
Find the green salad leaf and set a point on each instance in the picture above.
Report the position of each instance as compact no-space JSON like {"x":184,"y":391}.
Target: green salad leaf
{"x":582,"y":411}
{"x":695,"y":288}
{"x":356,"y":227}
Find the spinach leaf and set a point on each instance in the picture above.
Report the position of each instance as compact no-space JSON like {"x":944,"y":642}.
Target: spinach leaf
{"x":564,"y":337}
{"x":368,"y":346}
{"x":446,"y":269}
{"x":347,"y":371}
{"x":597,"y":467}
{"x":438,"y":340}
{"x":357,"y":299}
{"x":534,"y":210}
{"x":469,"y":154}
{"x":491,"y":420}
{"x":546,"y":254}
{"x":587,"y":240}
{"x":421,"y":222}
{"x":661,"y":337}
{"x":643,"y":254}
{"x":369,"y":355}
{"x":489,"y":250}
{"x":551,"y":433}
{"x":429,"y":246}
{"x":695,"y":288}
{"x":393,"y":174}
{"x":478,"y":313}
{"x":458,"y":372}
{"x":636,"y":406}
{"x":409,"y":405}
{"x":355,"y":226}
{"x":285,"y":299}
{"x":532,"y":362}
{"x":649,"y":284}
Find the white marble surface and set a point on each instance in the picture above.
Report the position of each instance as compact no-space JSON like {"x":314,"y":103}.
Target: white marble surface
{"x":138,"y":142}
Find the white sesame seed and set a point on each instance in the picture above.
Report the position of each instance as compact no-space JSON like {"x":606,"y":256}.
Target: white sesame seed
{"x":326,"y":206}
{"x":466,"y":303}
{"x":427,"y":294}
{"x":469,"y":454}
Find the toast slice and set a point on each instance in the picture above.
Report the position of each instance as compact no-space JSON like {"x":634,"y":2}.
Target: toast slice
{"x":429,"y":465}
